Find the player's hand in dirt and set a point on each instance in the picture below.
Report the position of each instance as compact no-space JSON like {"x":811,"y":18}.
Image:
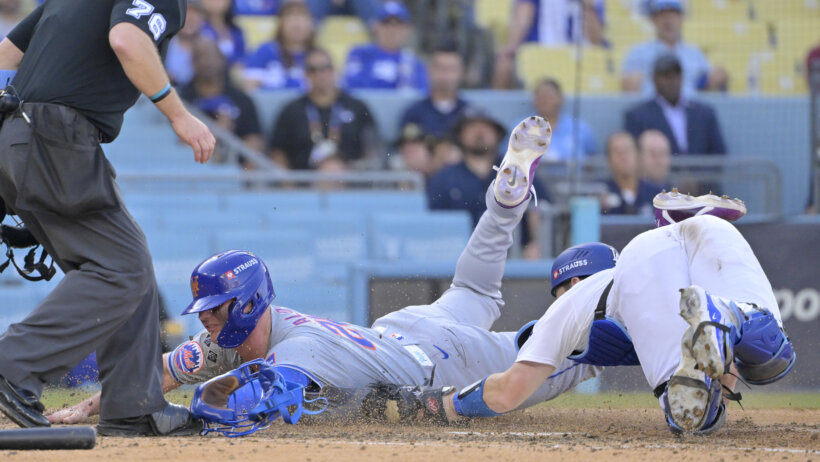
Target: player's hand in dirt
{"x":407,"y":404}
{"x":71,"y":415}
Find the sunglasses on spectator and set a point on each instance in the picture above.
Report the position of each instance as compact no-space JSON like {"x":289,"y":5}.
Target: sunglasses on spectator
{"x":318,"y":68}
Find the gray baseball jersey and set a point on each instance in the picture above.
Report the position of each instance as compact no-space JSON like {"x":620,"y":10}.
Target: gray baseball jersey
{"x":444,"y":343}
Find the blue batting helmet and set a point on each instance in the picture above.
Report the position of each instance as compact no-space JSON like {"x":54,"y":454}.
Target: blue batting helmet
{"x":237,"y":275}
{"x":582,"y":260}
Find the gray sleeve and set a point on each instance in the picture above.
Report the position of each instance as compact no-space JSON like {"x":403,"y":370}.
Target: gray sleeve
{"x":200,"y":359}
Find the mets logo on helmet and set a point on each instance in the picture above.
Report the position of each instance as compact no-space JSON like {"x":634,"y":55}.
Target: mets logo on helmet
{"x":188,"y":358}
{"x":195,"y":286}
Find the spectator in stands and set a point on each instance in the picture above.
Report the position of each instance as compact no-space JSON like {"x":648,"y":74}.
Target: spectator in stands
{"x":179,"y":61}
{"x":627,"y":194}
{"x":281,"y":62}
{"x":256,"y":7}
{"x":445,"y":153}
{"x":813,"y":56}
{"x":364,"y":9}
{"x":691,"y":127}
{"x":212,"y":92}
{"x":463,"y":186}
{"x":698,"y":74}
{"x":10,"y":15}
{"x":324,"y":116}
{"x":389,"y":62}
{"x":437,"y":113}
{"x":219,"y":26}
{"x":549,"y":102}
{"x":550,"y":23}
{"x":656,"y":158}
{"x":414,"y":151}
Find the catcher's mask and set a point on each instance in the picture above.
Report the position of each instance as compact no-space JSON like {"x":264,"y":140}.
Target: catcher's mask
{"x":18,"y":237}
{"x":248,"y":399}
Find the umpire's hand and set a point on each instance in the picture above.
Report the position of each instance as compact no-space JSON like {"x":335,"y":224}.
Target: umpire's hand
{"x":196,"y":135}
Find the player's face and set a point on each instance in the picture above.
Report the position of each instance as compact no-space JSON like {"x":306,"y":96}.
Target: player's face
{"x":213,"y":320}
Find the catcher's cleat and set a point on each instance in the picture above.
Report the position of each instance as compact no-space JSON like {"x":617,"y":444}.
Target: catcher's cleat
{"x":21,"y":406}
{"x":673,"y":207}
{"x":406,"y":404}
{"x":173,"y":420}
{"x":529,"y":140}
{"x":709,"y":328}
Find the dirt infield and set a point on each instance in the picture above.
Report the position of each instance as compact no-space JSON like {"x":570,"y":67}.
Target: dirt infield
{"x":541,"y":433}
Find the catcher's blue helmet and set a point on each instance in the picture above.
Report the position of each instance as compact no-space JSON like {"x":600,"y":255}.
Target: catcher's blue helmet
{"x":237,"y":275}
{"x":582,"y":260}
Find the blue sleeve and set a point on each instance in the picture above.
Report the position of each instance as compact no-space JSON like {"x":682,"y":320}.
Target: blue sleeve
{"x":421,"y":80}
{"x":588,"y":141}
{"x":238,"y":45}
{"x":716,"y":145}
{"x":260,"y":59}
{"x":437,"y":192}
{"x":634,"y":61}
{"x":355,"y":70}
{"x":631,"y":122}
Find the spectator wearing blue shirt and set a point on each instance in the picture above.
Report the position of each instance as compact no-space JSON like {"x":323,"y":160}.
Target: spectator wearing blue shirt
{"x":551,"y":23}
{"x":256,"y":7}
{"x":220,"y":27}
{"x":627,"y":194}
{"x":281,"y":63}
{"x":698,"y":74}
{"x":463,"y":186}
{"x":437,"y":114}
{"x":389,"y":63}
{"x":549,"y":103}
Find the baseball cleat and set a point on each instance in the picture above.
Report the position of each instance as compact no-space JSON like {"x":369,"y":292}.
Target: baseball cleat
{"x":706,"y":336}
{"x":673,"y":207}
{"x":687,"y":392}
{"x":529,"y":140}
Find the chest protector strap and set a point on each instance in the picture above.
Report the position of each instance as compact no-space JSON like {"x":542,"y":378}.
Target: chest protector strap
{"x":609,"y":344}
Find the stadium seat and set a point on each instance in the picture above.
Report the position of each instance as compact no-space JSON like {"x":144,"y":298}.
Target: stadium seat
{"x":628,"y":31}
{"x":289,"y":254}
{"x":257,"y":29}
{"x":781,"y":74}
{"x":737,"y":65}
{"x":271,"y":201}
{"x":494,"y":15}
{"x":319,"y":299}
{"x":377,"y":201}
{"x":18,"y":301}
{"x":598,"y":67}
{"x":727,"y":36}
{"x":439,"y":235}
{"x":795,"y":37}
{"x":768,"y":10}
{"x":722,"y":10}
{"x":173,"y":202}
{"x":338,"y":34}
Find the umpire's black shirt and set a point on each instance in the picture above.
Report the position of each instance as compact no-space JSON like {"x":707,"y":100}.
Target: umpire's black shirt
{"x":69,"y":61}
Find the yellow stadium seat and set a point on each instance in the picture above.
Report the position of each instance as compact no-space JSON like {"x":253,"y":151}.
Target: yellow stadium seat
{"x":797,"y":36}
{"x":338,"y":34}
{"x":494,"y":15}
{"x":736,"y":64}
{"x":727,"y":36}
{"x":771,"y":10}
{"x":257,"y":29}
{"x":598,"y":68}
{"x":732,"y":10}
{"x":628,"y":31}
{"x":780,"y":74}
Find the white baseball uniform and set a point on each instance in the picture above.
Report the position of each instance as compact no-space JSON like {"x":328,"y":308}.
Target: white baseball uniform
{"x":645,"y":298}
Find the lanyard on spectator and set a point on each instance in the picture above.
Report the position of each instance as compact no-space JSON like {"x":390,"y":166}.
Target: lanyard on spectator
{"x":334,"y":125}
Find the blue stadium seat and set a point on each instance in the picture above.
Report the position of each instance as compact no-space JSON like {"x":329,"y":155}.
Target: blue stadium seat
{"x":338,"y":238}
{"x":420,"y":236}
{"x":173,"y":202}
{"x":18,"y":301}
{"x":289,"y":255}
{"x":268,"y":202}
{"x":202,"y":222}
{"x":377,"y":201}
{"x":318,"y":299}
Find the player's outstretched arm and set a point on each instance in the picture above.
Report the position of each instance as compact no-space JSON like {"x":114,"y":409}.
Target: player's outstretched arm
{"x":143,"y":66}
{"x":81,"y":412}
{"x":498,"y":393}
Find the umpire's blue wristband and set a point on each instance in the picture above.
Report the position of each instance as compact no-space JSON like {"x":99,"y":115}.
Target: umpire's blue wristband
{"x":160,"y":95}
{"x":470,"y":402}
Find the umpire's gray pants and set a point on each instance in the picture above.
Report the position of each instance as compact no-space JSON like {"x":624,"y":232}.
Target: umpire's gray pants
{"x":54,"y":175}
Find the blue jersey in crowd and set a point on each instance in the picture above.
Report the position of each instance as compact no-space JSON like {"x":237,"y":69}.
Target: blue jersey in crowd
{"x":431,"y":118}
{"x":233,"y":48}
{"x":267,"y":66}
{"x":369,"y":66}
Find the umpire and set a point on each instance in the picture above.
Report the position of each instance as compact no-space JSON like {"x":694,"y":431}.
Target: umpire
{"x":80,"y":65}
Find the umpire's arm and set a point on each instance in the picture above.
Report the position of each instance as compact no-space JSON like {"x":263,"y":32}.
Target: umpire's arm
{"x":15,"y":44}
{"x":143,"y":66}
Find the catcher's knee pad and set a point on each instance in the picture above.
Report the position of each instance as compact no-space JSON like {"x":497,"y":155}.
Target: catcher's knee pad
{"x":764,"y":353}
{"x":708,"y":412}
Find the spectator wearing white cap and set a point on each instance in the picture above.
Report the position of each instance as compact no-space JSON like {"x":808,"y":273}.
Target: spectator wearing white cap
{"x":698,"y":74}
